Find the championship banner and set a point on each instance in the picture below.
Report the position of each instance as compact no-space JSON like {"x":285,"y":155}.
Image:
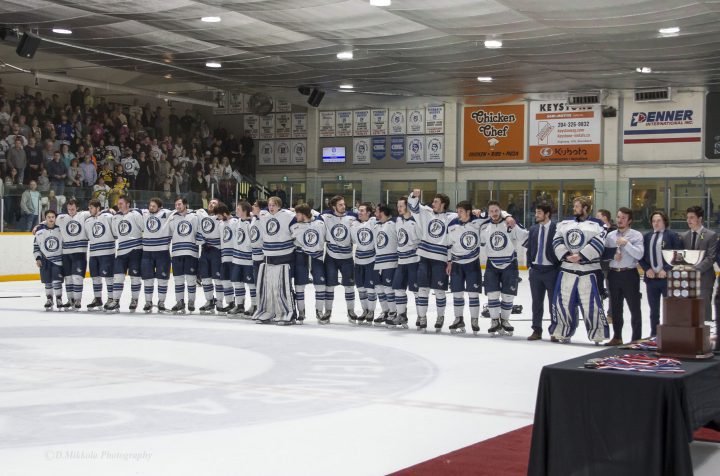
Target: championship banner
{"x":415,"y":149}
{"x":344,"y":124}
{"x":494,"y":132}
{"x":251,"y":125}
{"x":435,"y":120}
{"x":397,"y":148}
{"x":299,"y":152}
{"x":397,"y":122}
{"x":361,"y":151}
{"x":379,"y":122}
{"x":299,"y":125}
{"x":416,"y":121}
{"x":282,"y":106}
{"x":246,"y":103}
{"x":282,"y":152}
{"x":561,"y":133}
{"x":267,"y":126}
{"x":434,"y":146}
{"x":327,"y":123}
{"x":379,"y":147}
{"x":361,"y":123}
{"x":283,"y":128}
{"x":236,"y":102}
{"x":266,"y":153}
{"x":670,"y":131}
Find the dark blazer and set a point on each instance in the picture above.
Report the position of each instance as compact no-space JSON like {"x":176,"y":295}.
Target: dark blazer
{"x":671,"y":241}
{"x":707,"y":240}
{"x":533,"y":244}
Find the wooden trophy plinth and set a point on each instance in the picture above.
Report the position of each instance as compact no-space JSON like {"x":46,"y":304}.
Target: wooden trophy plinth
{"x":683,"y":333}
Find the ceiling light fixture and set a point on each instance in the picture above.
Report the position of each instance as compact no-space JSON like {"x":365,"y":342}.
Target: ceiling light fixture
{"x":346,"y":86}
{"x":345,"y":55}
{"x":644,"y":69}
{"x":485,"y":79}
{"x":168,"y":76}
{"x":211,"y":19}
{"x":213,"y":64}
{"x":62,"y":31}
{"x":380,"y":3}
{"x":670,"y":31}
{"x":493,"y":44}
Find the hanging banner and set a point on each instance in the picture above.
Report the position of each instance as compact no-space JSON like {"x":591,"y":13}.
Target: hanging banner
{"x":361,"y":123}
{"x":236,"y":102}
{"x":266,"y":153}
{"x":299,"y":125}
{"x":299,"y":152}
{"x":435,"y":120}
{"x":282,"y":152}
{"x":416,"y":121}
{"x":397,"y":122}
{"x":282,"y":125}
{"x":343,"y":123}
{"x":397,"y":148}
{"x":434,"y":146}
{"x":327,"y":123}
{"x":379,"y":122}
{"x":561,"y":133}
{"x":379,"y":147}
{"x":670,"y":131}
{"x":267,"y":126}
{"x":251,"y":126}
{"x":361,"y":151}
{"x":494,"y":132}
{"x":221,"y":98}
{"x":415,"y":149}
{"x":282,"y":106}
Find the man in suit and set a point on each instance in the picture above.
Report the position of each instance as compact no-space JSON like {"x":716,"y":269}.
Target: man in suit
{"x":700,"y":238}
{"x":655,"y":267}
{"x":543,"y":265}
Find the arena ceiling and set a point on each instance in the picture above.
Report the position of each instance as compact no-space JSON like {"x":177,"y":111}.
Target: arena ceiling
{"x":411,"y":48}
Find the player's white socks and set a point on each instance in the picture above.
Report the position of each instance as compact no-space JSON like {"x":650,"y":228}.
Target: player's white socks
{"x":390,"y":298}
{"x":380,"y":291}
{"x":329,"y":297}
{"x":97,"y":287}
{"x":440,"y":302}
{"x":190,"y":281}
{"x":459,"y":303}
{"x":494,"y":304}
{"x":300,"y":297}
{"x":421,"y":302}
{"x":239,"y":294}
{"x":179,"y":287}
{"x":207,"y":288}
{"x":135,"y":286}
{"x":362,"y":295}
{"x":118,"y":285}
{"x":474,"y":299}
{"x":253,"y":295}
{"x":149,"y":285}
{"x":162,"y":290}
{"x":401,"y":301}
{"x":350,"y":297}
{"x":228,"y":292}
{"x":57,"y":287}
{"x":77,"y":287}
{"x":506,"y":306}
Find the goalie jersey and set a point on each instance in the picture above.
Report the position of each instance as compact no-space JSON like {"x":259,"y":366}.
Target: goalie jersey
{"x":275,"y":232}
{"x":587,"y":238}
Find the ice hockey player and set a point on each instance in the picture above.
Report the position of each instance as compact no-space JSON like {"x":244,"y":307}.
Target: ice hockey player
{"x":309,"y":233}
{"x":362,"y":232}
{"x":339,"y":254}
{"x":405,"y":277}
{"x":127,"y":226}
{"x":99,"y":232}
{"x":48,"y":251}
{"x":183,"y":226}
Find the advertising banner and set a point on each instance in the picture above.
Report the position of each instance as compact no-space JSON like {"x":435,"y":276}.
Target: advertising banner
{"x":494,"y":132}
{"x":267,"y":126}
{"x":561,"y":133}
{"x":251,"y":125}
{"x":282,"y":152}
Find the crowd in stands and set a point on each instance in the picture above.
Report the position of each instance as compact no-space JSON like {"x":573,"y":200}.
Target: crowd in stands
{"x":53,"y":149}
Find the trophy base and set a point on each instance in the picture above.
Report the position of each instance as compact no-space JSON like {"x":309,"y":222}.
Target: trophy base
{"x":709,"y":355}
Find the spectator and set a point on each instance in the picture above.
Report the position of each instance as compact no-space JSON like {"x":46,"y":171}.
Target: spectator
{"x":145,"y":172}
{"x":77,"y":98}
{"x":225,"y":169}
{"x":88,"y":99}
{"x":130,"y":166}
{"x":186,"y":122}
{"x":89,"y":172}
{"x":198,"y":185}
{"x":204,"y":199}
{"x":17,"y":159}
{"x":23,"y":128}
{"x":43,"y":182}
{"x":64,"y":132}
{"x":29,"y":207}
{"x":163,"y":172}
{"x":57,"y":173}
{"x":35,"y":160}
{"x":101,"y":191}
{"x":65,"y":155}
{"x":120,"y":188}
{"x":52,"y":201}
{"x":75,"y":175}
{"x":173,"y":123}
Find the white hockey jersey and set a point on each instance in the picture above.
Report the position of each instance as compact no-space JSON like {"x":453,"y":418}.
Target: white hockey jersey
{"x":586,"y":238}
{"x":339,"y":240}
{"x":363,"y":235}
{"x":183,"y":234}
{"x":256,"y":240}
{"x":242,"y":254}
{"x":156,"y":234}
{"x":100,"y":234}
{"x":310,"y":237}
{"x":48,"y":244}
{"x":73,"y":232}
{"x":228,"y":229}
{"x":275,"y":232}
{"x":128,"y":229}
{"x":434,"y":243}
{"x":386,"y":245}
{"x":209,"y":232}
{"x":464,"y":239}
{"x":501,"y":243}
{"x":408,"y":238}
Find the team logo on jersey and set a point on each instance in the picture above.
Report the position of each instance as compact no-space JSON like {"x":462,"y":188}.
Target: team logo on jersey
{"x":52,"y":244}
{"x":468,"y":240}
{"x":98,"y":230}
{"x":311,"y":238}
{"x":73,"y":228}
{"x":128,"y":166}
{"x":124,"y":228}
{"x":254,"y":234}
{"x":153,"y":224}
{"x":272,"y":227}
{"x":403,"y":237}
{"x":227,"y":235}
{"x":498,"y":241}
{"x":381,"y":240}
{"x":436,"y":228}
{"x":184,"y":228}
{"x":241,"y":236}
{"x":340,"y":233}
{"x":575,"y":239}
{"x":365,"y":236}
{"x":208,"y":225}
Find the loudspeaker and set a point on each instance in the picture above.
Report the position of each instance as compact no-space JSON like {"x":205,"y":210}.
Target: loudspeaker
{"x":28,"y":45}
{"x":609,"y":111}
{"x":304,"y":90}
{"x":316,"y":97}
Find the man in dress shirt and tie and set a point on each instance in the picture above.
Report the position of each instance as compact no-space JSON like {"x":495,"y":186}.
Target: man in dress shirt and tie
{"x":625,"y":245}
{"x":700,"y":238}
{"x":543,"y":265}
{"x":656,"y":269}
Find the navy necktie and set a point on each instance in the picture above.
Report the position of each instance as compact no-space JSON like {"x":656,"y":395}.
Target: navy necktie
{"x":541,"y":246}
{"x":653,"y":247}
{"x":694,"y":240}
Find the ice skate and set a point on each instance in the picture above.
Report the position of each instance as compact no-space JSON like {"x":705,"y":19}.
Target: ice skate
{"x":133,"y":305}
{"x":161,"y":309}
{"x":76,"y":303}
{"x":179,"y":307}
{"x":458,"y":326}
{"x":250,"y":312}
{"x":65,"y":306}
{"x":392,"y":320}
{"x":112,"y":306}
{"x":485,"y":311}
{"x":300,"y":317}
{"x":208,"y":307}
{"x":191,"y":307}
{"x":236,"y":312}
{"x":108,"y":304}
{"x":507,"y":329}
{"x":369,"y":317}
{"x":361,"y":317}
{"x":95,"y":305}
{"x":224,"y":311}
{"x":517,"y":309}
{"x":495,"y":327}
{"x":58,"y":303}
{"x":352,"y":317}
{"x":381,"y":319}
{"x":49,"y":304}
{"x":421,"y":323}
{"x":148,"y":307}
{"x":475,"y":326}
{"x":326,"y":317}
{"x":403,"y":320}
{"x":439,"y":323}
{"x":319,"y":315}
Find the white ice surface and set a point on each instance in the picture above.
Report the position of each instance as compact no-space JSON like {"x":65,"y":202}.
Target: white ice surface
{"x":95,"y":394}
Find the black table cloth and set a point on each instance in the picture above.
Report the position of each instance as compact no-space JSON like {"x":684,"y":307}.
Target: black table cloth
{"x":591,"y":422}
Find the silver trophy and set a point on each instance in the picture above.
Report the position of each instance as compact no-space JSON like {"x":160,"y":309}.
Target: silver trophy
{"x":683,"y":280}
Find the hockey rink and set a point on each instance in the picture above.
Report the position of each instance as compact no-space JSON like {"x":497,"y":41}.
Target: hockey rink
{"x":117,"y":394}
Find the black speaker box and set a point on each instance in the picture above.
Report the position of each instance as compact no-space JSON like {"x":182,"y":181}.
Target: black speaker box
{"x":316,"y":97}
{"x":28,"y":45}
